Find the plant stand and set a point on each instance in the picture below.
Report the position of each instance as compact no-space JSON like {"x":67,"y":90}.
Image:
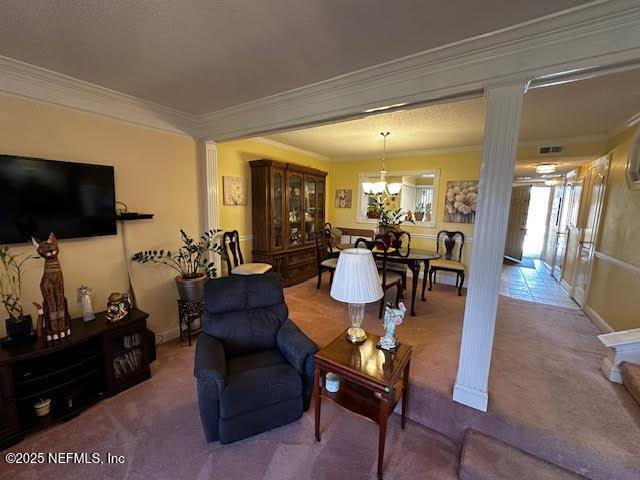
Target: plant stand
{"x":187,"y":313}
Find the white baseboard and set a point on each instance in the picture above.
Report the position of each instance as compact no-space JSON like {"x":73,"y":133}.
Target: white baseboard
{"x":444,"y":278}
{"x":169,"y":335}
{"x":597,"y":320}
{"x":611,"y":371}
{"x":568,"y":289}
{"x":470,"y":397}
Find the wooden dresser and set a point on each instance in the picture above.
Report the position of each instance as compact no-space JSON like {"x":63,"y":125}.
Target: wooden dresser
{"x":288,"y":203}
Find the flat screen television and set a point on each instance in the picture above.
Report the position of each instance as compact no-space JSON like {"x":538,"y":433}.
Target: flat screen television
{"x":41,"y":196}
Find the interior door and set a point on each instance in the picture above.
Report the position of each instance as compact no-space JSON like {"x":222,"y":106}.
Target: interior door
{"x":562,"y":231}
{"x":517,"y":228}
{"x":595,"y":185}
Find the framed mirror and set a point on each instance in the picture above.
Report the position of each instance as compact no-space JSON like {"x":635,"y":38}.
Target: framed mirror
{"x":418,"y":194}
{"x":633,"y":163}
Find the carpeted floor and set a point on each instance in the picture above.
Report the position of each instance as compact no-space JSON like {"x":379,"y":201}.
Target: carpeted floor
{"x":547,"y":396}
{"x":156,"y":427}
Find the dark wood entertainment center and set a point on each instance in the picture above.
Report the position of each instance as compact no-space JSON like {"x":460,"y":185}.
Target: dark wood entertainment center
{"x":99,"y":360}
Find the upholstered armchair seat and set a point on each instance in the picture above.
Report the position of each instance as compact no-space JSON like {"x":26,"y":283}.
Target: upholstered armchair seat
{"x":253,"y":366}
{"x":449,"y":264}
{"x":251,"y":269}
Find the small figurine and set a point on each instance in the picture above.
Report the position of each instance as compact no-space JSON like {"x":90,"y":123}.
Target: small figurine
{"x":84,"y":297}
{"x":392,"y":318}
{"x":40,"y":323}
{"x":118,"y":307}
{"x":56,"y":322}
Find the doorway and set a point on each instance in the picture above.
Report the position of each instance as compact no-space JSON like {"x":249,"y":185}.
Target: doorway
{"x":527,"y":223}
{"x":536,"y":228}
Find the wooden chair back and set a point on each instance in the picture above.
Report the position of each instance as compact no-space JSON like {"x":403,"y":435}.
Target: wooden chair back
{"x":231,"y":241}
{"x":324,"y":247}
{"x":382,"y":249}
{"x":449,"y":243}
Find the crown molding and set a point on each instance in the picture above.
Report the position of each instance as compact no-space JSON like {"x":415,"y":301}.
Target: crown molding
{"x":291,"y":148}
{"x":598,"y":35}
{"x":39,"y":84}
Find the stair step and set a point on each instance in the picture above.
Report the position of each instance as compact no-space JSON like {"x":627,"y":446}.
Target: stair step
{"x":630,"y":373}
{"x":485,"y":458}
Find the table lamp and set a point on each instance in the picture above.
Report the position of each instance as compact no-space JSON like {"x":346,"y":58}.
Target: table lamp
{"x":356,"y":282}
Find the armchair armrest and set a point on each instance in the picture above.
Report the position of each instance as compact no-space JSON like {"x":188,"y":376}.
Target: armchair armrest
{"x":299,"y":350}
{"x":295,"y":345}
{"x":210,"y":362}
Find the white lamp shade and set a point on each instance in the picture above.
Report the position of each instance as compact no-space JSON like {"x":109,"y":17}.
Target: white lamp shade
{"x":394,"y":188}
{"x":378,"y":187}
{"x":356,"y":278}
{"x":367,"y":187}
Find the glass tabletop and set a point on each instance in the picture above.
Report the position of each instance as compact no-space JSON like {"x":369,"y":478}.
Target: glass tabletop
{"x":411,"y":254}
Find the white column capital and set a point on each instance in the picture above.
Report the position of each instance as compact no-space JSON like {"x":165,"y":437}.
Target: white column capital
{"x":502,"y":124}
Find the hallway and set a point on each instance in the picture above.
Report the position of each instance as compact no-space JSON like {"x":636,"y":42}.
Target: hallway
{"x":533,"y":285}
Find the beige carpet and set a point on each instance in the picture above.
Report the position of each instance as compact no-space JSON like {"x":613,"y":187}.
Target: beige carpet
{"x":547,"y":395}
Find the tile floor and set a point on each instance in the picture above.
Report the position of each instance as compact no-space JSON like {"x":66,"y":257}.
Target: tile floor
{"x":534,"y":285}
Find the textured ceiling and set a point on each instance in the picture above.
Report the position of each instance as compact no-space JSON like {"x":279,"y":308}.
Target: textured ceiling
{"x":588,"y":107}
{"x":203,"y":55}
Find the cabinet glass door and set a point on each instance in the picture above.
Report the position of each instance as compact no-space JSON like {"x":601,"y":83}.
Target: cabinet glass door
{"x":321,"y":201}
{"x":277,"y":204}
{"x":310,"y":208}
{"x":294,"y":203}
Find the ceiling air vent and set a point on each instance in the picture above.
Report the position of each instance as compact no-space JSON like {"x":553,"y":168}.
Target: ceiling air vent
{"x":550,"y":149}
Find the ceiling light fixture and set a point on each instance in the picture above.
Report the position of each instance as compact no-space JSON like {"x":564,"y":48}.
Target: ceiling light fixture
{"x":545,"y":168}
{"x":386,"y":107}
{"x":381,"y":187}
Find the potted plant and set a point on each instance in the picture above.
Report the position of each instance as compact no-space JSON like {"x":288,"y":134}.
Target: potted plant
{"x":18,"y":324}
{"x":390,"y":221}
{"x":191,"y":261}
{"x":419,"y":212}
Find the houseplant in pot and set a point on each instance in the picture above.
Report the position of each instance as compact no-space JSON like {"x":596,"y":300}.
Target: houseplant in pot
{"x":192,"y":261}
{"x":390,"y":221}
{"x":18,"y":324}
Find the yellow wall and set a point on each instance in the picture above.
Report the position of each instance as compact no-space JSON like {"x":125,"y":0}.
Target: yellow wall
{"x":154,"y":172}
{"x":452,"y":166}
{"x":233,"y":160}
{"x":613,"y":290}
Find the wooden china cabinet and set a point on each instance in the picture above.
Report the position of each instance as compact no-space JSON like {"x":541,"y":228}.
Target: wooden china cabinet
{"x":288,"y":208}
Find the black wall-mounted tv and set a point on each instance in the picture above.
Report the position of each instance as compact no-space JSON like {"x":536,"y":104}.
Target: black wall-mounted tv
{"x":41,"y":196}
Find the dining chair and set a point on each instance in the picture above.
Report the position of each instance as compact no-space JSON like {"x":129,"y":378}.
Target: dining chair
{"x":448,"y":263}
{"x":231,"y":241}
{"x":387,"y":278}
{"x":326,"y":258}
{"x":402,"y":249}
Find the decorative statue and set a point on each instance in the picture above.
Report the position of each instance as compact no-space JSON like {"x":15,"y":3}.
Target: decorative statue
{"x":56,"y":322}
{"x":392,"y":318}
{"x":118,"y":306}
{"x":84,"y":298}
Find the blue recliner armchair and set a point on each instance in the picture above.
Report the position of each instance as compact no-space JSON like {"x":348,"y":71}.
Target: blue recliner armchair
{"x":253,"y":366}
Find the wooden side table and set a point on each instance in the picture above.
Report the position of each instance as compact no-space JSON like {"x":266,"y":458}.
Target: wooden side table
{"x":371,"y":382}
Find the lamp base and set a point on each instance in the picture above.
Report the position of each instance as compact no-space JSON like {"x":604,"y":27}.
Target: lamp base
{"x":356,"y":335}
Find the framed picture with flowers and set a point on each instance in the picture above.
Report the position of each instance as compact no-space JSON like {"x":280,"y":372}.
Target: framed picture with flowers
{"x":461,"y":201}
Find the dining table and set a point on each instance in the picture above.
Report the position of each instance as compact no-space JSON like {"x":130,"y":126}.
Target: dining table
{"x":413,"y":258}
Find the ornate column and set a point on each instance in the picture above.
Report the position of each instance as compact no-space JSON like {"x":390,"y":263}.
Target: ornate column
{"x":502,"y":123}
{"x":211,"y":211}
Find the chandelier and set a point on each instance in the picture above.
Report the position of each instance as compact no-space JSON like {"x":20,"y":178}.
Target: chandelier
{"x":382,"y":187}
{"x":545,"y":168}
